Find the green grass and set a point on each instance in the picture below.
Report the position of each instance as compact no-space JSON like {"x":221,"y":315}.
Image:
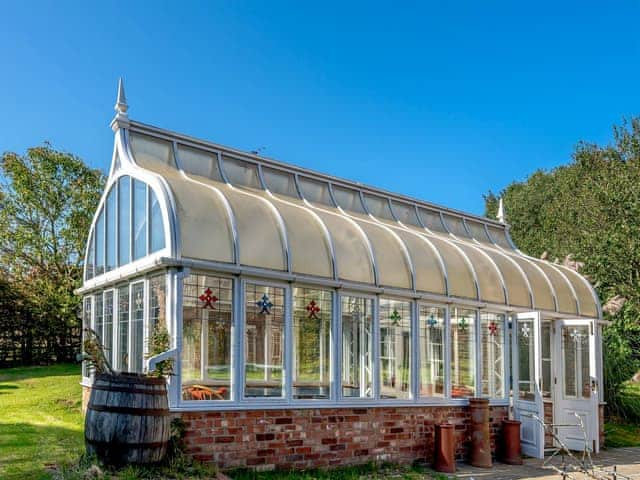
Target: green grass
{"x":40,"y":420}
{"x":619,"y":435}
{"x":369,"y":471}
{"x":625,"y":432}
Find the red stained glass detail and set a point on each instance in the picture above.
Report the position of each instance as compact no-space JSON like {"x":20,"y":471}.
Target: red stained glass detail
{"x":313,"y":309}
{"x":208,"y":298}
{"x":493,"y":328}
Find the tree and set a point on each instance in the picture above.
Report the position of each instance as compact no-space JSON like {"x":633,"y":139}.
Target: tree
{"x":47,"y":201}
{"x":590,"y":209}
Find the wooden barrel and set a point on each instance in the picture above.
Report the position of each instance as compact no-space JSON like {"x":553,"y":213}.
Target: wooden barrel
{"x":127,"y":419}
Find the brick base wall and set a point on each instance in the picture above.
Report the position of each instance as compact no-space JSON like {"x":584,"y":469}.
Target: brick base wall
{"x":548,"y":419}
{"x":310,"y":438}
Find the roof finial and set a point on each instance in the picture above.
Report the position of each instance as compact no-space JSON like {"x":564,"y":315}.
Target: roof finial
{"x":121,"y":106}
{"x":501,"y":216}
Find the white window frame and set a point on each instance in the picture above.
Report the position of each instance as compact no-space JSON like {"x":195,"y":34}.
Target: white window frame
{"x":445,"y":351}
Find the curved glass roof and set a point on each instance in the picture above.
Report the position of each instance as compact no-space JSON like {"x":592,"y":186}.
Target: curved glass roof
{"x":232,"y":207}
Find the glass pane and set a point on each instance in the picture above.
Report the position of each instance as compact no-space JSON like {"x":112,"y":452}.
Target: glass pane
{"x":207,"y":322}
{"x":546,"y":360}
{"x":108,"y":325}
{"x":378,"y":207}
{"x":315,"y":191}
{"x":461,"y":281}
{"x":157,"y":301}
{"x":492,"y":345}
{"x":139,"y":219}
{"x":395,"y":348}
{"x":91,"y":258}
{"x":405,"y":213}
{"x":463,"y":353}
{"x":278,"y":181}
{"x":86,"y":323}
{"x":200,"y":163}
{"x":432,"y":220}
{"x":264,"y":341}
{"x":100,"y":244}
{"x":124,"y":220}
{"x":311,"y":343}
{"x":456,"y":226}
{"x":99,"y":317}
{"x":348,"y":199}
{"x":241,"y":173}
{"x":526,"y":358}
{"x":575,"y":353}
{"x":123,"y":328}
{"x":431,"y":345}
{"x":111,"y":230}
{"x":137,"y":327}
{"x":357,"y":347}
{"x":157,"y":226}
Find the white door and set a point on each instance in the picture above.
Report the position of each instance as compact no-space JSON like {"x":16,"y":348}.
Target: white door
{"x":576,"y":396}
{"x":526,"y":370}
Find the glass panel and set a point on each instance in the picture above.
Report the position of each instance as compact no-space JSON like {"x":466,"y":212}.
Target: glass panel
{"x":100,"y":243}
{"x":515,"y":282}
{"x":124,"y":220}
{"x":200,"y":163}
{"x":588,"y":306}
{"x":456,"y":226}
{"x":478,"y":231}
{"x":311,"y":343}
{"x":492,"y":346}
{"x":542,"y":294}
{"x":91,"y":258}
{"x":108,"y":326}
{"x":123,"y":328}
{"x":575,"y":353}
{"x":206,"y":337}
{"x":431,"y":219}
{"x":395,"y":349}
{"x":152,"y":153}
{"x":393,"y":267}
{"x":348,"y":199}
{"x":139,"y":219}
{"x":405,"y":213}
{"x":429,"y":276}
{"x":378,"y":207}
{"x":526,"y":358}
{"x":259,"y":231}
{"x":157,"y":225}
{"x":547,"y":385}
{"x":357,"y":347}
{"x":431,"y":346}
{"x":461,"y":282}
{"x":99,"y":326}
{"x":489,"y":280}
{"x":157,"y":302}
{"x":309,"y":247}
{"x":137,"y":327}
{"x":264,"y":339}
{"x":564,"y":295}
{"x":111,"y":229}
{"x":86,"y":323}
{"x":353,"y":258}
{"x":280,"y":182}
{"x":499,"y":236}
{"x":241,"y":173}
{"x":463,"y":352}
{"x":315,"y":191}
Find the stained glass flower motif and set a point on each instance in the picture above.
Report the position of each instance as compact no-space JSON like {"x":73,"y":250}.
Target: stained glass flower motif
{"x":265,"y":305}
{"x":395,"y":317}
{"x":208,"y":298}
{"x":313,"y":309}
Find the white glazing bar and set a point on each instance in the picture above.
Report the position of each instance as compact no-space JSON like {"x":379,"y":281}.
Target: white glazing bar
{"x":447,"y":352}
{"x":334,"y":345}
{"x":288,"y":344}
{"x":415,"y":354}
{"x":376,"y":347}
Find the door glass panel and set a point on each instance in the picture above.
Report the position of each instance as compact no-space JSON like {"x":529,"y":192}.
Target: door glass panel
{"x":526,"y":358}
{"x":575,"y":354}
{"x":546,"y":359}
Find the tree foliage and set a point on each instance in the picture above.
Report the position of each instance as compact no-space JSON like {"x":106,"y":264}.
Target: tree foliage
{"x":590,"y":209}
{"x":47,"y":201}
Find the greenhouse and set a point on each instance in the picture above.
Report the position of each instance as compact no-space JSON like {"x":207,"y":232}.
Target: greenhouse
{"x":299,"y":298}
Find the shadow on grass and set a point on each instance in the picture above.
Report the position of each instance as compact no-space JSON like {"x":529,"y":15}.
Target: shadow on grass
{"x":27,"y":450}
{"x":23,"y":373}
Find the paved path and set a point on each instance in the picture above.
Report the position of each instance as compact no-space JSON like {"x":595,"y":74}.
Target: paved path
{"x":627,"y":461}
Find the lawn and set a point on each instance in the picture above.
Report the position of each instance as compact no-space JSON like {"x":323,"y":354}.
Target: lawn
{"x":40,"y":420}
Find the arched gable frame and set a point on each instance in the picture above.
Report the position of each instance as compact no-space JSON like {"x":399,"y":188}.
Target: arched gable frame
{"x":123,"y":165}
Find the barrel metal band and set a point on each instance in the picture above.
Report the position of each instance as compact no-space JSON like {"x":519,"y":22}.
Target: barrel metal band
{"x":129,"y":390}
{"x":157,"y":412}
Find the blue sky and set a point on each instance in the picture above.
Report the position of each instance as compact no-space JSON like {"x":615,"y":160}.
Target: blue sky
{"x":436,"y":100}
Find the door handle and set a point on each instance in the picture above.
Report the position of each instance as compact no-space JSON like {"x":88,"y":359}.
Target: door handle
{"x":594,"y":385}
